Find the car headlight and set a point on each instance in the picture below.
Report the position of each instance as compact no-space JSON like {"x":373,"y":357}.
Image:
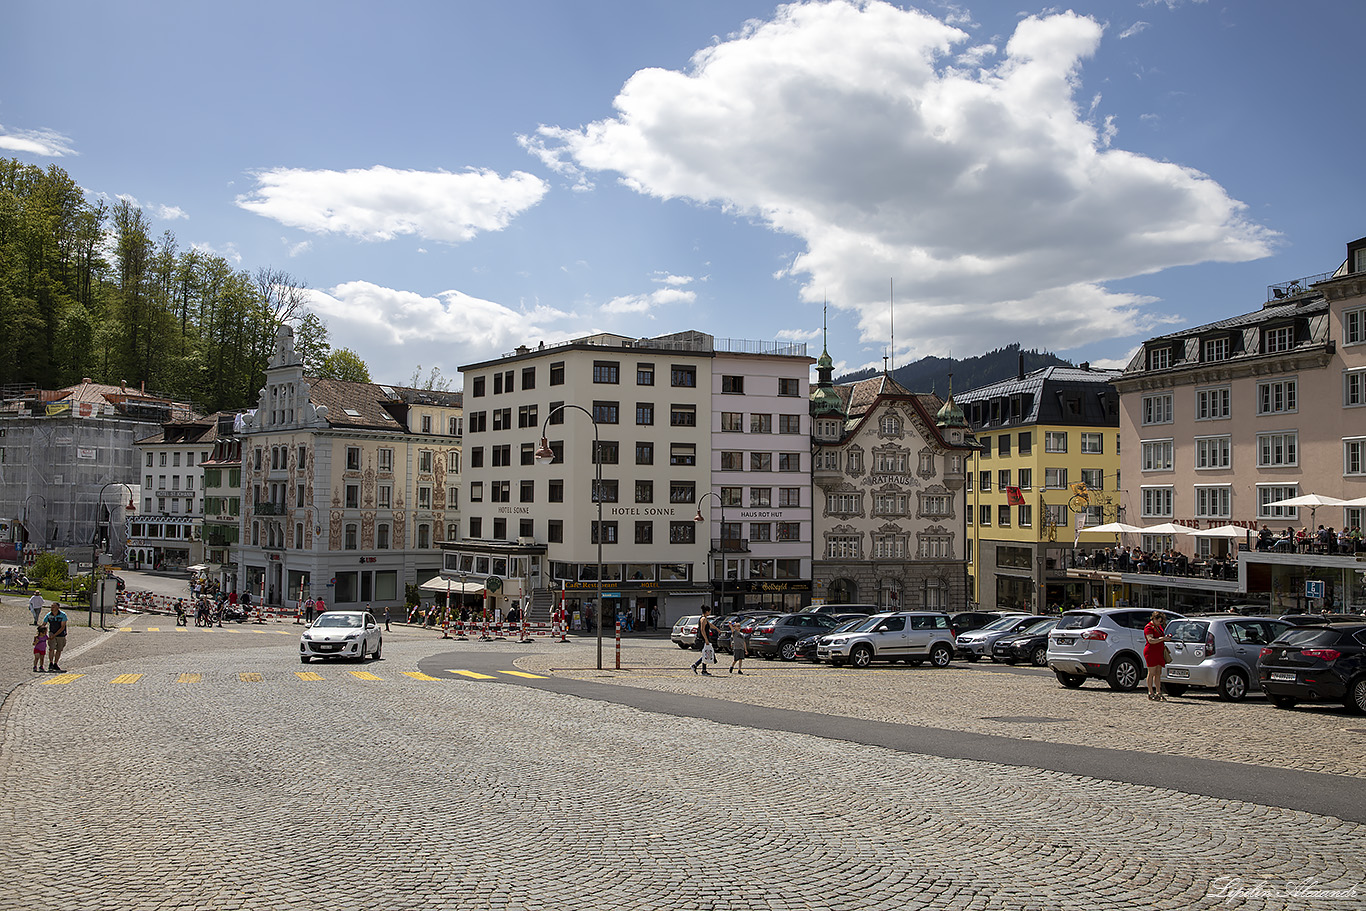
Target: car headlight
{"x":353,"y":637}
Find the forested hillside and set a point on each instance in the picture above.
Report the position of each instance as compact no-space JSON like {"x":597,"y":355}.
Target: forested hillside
{"x":931,"y":374}
{"x":87,"y":290}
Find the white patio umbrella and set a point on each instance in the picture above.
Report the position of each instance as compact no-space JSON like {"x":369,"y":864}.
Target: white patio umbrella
{"x":1115,"y":528}
{"x":1312,"y":500}
{"x":1168,"y":528}
{"x":1224,"y":531}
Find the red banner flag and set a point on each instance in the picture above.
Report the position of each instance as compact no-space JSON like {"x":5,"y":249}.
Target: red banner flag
{"x":1014,"y":497}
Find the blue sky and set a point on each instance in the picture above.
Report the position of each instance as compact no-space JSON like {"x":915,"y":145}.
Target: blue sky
{"x":453,"y":179}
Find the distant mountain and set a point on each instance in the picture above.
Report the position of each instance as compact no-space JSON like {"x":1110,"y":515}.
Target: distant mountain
{"x":931,"y":374}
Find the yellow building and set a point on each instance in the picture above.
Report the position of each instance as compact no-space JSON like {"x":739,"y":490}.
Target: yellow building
{"x":1047,"y":470}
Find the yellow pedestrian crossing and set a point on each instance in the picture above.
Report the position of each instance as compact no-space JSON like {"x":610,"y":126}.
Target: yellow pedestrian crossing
{"x":189,"y":678}
{"x":418,"y":675}
{"x":473,"y":675}
{"x":127,"y":678}
{"x":308,"y":675}
{"x":364,"y":675}
{"x":523,"y":674}
{"x":132,"y":679}
{"x":62,"y":678}
{"x":249,"y":677}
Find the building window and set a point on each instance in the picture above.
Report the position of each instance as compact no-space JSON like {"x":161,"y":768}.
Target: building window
{"x":984,"y":481}
{"x":1216,"y":349}
{"x":1026,"y":478}
{"x":1159,"y":358}
{"x":1093,"y":478}
{"x":527,"y":416}
{"x":890,"y":425}
{"x":1354,"y":326}
{"x":386,"y":460}
{"x":761,"y":423}
{"x":732,"y":496}
{"x":609,"y":532}
{"x":455,"y":426}
{"x":1093,"y":443}
{"x":1157,"y":409}
{"x":789,"y":461}
{"x":1157,"y":455}
{"x":352,"y":496}
{"x":761,"y":497}
{"x":527,"y":454}
{"x":606,"y":372}
{"x":608,"y":452}
{"x":424,"y":536}
{"x":889,"y":547}
{"x":478,"y":391}
{"x":645,"y":413}
{"x":605,"y":412}
{"x":1281,"y":338}
{"x":1003,"y":515}
{"x":1025,"y":516}
{"x":353,"y":458}
{"x":935,"y":505}
{"x":682,"y":375}
{"x":1213,"y":452}
{"x":682,"y":454}
{"x":682,"y":532}
{"x":1054,"y":478}
{"x":645,"y":453}
{"x":476,"y":527}
{"x":424,"y":498}
{"x":1277,"y":397}
{"x":789,"y":423}
{"x":732,"y":461}
{"x":526,"y":493}
{"x":682,"y":492}
{"x":645,"y":374}
{"x":557,"y":373}
{"x":500,"y":529}
{"x":1212,"y":404}
{"x":984,"y":515}
{"x":502,"y":455}
{"x":1278,"y":450}
{"x":1354,"y":387}
{"x":1273,"y":493}
{"x":789,"y":496}
{"x":1352,"y":453}
{"x":384,"y":494}
{"x":605,"y":491}
{"x":1055,"y":441}
{"x":682,"y":415}
{"x":349,"y":536}
{"x":382,"y":536}
{"x":426,"y":423}
{"x":1213,"y":502}
{"x":843,"y":547}
{"x":1003,"y":445}
{"x":732,"y":421}
{"x":732,"y":385}
{"x":645,"y":532}
{"x":761,"y":531}
{"x":788,"y":386}
{"x":1157,"y":502}
{"x":555,"y":491}
{"x":761,"y":461}
{"x":477,"y":491}
{"x":554,"y":531}
{"x":645,"y":491}
{"x":843,"y":503}
{"x":889,"y":504}
{"x":789,"y":531}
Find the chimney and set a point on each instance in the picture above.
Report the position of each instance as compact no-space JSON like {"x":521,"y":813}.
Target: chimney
{"x":1085,"y":365}
{"x":1019,"y":371}
{"x":123,"y":385}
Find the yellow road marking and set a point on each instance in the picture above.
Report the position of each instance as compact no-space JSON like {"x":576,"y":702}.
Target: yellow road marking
{"x":125,"y":629}
{"x":189,"y":678}
{"x":471,"y":674}
{"x":263,"y":632}
{"x":364,"y":675}
{"x":418,"y":675}
{"x":249,"y":677}
{"x":62,"y":678}
{"x":284,"y":632}
{"x":153,"y":629}
{"x":307,"y":675}
{"x":127,"y":678}
{"x":182,"y":629}
{"x":523,"y":674}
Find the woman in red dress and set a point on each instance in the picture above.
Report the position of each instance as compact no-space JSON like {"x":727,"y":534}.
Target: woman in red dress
{"x":1155,"y":653}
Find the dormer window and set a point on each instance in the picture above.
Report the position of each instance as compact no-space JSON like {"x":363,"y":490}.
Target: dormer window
{"x":1159,"y":358}
{"x":1282,"y":338}
{"x":1216,"y":349}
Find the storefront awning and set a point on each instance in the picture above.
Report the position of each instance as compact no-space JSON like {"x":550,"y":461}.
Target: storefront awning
{"x":439,"y":584}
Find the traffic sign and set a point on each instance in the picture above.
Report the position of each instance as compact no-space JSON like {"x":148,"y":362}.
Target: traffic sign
{"x":1313,"y":588}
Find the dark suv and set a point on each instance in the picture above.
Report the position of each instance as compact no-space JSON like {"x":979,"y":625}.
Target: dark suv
{"x":1316,"y":663}
{"x":777,"y":637}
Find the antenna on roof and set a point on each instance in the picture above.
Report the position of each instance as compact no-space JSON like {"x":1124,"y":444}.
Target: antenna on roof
{"x":891,"y":318}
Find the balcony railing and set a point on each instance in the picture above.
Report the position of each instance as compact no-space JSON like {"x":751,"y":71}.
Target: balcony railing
{"x":267,"y":508}
{"x":1282,"y":291}
{"x":730,"y":545}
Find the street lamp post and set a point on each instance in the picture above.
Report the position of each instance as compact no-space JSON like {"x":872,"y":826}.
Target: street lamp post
{"x":721,"y":541}
{"x":545,"y":456}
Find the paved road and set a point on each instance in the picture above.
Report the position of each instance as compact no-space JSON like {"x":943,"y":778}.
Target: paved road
{"x":209,"y":769}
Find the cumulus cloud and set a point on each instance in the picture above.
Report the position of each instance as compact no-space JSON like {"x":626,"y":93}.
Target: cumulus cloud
{"x":169,"y":213}
{"x":991,"y":196}
{"x":44,"y":143}
{"x":664,"y":278}
{"x":382,"y":203}
{"x":644,"y":303}
{"x":391,"y":329}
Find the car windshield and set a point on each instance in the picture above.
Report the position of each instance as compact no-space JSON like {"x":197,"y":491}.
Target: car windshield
{"x":847,"y":625}
{"x":339,"y":621}
{"x":867,"y":624}
{"x":1307,"y":637}
{"x":1042,"y":626}
{"x":1003,"y":623}
{"x":1187,"y":630}
{"x":1080,"y":620}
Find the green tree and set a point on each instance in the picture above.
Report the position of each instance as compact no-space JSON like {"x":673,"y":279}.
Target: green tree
{"x":344,"y":364}
{"x":434,"y":380}
{"x":310,"y":341}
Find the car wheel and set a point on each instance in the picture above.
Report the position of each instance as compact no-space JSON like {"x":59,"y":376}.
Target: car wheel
{"x":1040,"y":656}
{"x":788,"y":650}
{"x":1233,"y":686}
{"x":682,"y":646}
{"x":1124,"y":674}
{"x":1071,"y":681}
{"x":1174,"y":689}
{"x":941,"y":655}
{"x":1282,"y":702}
{"x":1356,"y":696}
{"x":379,"y":645}
{"x":861,"y":656}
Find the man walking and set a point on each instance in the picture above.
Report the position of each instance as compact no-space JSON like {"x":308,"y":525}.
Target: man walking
{"x":704,"y":632}
{"x":35,"y":606}
{"x":309,"y":607}
{"x":55,"y":619}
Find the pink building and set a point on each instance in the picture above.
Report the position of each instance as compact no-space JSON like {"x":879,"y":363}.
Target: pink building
{"x":1221,"y":421}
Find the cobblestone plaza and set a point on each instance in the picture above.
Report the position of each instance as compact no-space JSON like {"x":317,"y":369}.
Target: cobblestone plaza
{"x":208,"y":769}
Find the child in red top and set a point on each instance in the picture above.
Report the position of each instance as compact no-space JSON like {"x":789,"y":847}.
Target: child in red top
{"x":39,"y":647}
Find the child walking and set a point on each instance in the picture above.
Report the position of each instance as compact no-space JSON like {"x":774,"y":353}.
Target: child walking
{"x":39,"y":646}
{"x":738,"y":649}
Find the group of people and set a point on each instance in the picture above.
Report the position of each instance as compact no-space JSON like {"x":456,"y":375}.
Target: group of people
{"x":706,"y":631}
{"x":1324,"y":540}
{"x":49,"y":638}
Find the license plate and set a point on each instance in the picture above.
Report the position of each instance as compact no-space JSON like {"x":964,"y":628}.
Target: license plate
{"x":1282,"y":677}
{"x":1064,"y":641}
{"x":1178,"y":672}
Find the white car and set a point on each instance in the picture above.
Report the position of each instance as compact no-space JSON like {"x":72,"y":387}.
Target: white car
{"x":341,"y":634}
{"x":1106,"y":642}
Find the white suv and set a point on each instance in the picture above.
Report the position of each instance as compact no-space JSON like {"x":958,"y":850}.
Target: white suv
{"x":910,"y":636}
{"x":1104,"y":642}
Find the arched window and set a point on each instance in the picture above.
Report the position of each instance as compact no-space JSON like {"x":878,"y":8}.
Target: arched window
{"x":843,"y":591}
{"x":891,"y":425}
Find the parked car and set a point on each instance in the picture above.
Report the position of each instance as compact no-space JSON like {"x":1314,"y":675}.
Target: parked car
{"x":969,"y":620}
{"x":341,"y":634}
{"x":1316,"y":664}
{"x":1029,"y":644}
{"x":684,"y":633}
{"x":1320,"y":619}
{"x":1105,"y":642}
{"x":743,"y":621}
{"x":866,"y":610}
{"x":776,"y":637}
{"x":1219,"y":652}
{"x":910,"y":636}
{"x":806,"y":646}
{"x":975,"y":645}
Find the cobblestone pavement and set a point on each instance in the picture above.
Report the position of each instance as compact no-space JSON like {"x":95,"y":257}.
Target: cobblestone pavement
{"x":260,"y":784}
{"x":1023,"y":703}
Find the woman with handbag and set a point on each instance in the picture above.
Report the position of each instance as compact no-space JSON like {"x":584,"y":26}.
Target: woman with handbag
{"x":704,"y":632}
{"x":1155,"y":654}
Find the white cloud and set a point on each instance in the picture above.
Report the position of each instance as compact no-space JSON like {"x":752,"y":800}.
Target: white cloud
{"x":990,"y":196}
{"x":1133,"y":29}
{"x":644,"y":303}
{"x":45,"y":143}
{"x":298,"y":249}
{"x":382,"y":203}
{"x":392,"y":329}
{"x":664,"y":278}
{"x":797,"y":335}
{"x":1116,"y":363}
{"x":228,"y":251}
{"x":169,"y":213}
{"x":974,"y":56}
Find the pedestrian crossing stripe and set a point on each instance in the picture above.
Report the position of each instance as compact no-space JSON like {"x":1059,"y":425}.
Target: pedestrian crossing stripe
{"x":125,"y":629}
{"x":418,"y":675}
{"x":523,"y":674}
{"x":364,"y":675}
{"x":189,"y":678}
{"x":127,"y":678}
{"x":181,"y":629}
{"x":153,"y":629}
{"x":249,"y":677}
{"x":473,"y":675}
{"x":308,"y":675}
{"x":62,"y":678}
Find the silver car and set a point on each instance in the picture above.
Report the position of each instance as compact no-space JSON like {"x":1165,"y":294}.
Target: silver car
{"x":1104,"y":642}
{"x":684,"y":633}
{"x":911,"y":636}
{"x":341,"y":634}
{"x":976,"y":644}
{"x":1218,"y":652}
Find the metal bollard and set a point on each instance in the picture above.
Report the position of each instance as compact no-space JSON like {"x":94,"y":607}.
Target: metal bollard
{"x":618,"y":646}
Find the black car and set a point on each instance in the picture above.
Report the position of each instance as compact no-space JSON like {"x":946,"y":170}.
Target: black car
{"x":969,"y":620}
{"x":1316,"y":664}
{"x":744,"y":620}
{"x":1320,"y":619}
{"x":1029,"y":644}
{"x":806,"y":646}
{"x":777,"y":637}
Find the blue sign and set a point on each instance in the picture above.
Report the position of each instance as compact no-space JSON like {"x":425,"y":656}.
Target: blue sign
{"x":1313,"y":588}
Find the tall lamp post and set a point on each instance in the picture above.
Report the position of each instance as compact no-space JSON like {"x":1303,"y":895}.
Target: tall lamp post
{"x":94,"y":545}
{"x":545,"y":456}
{"x":721,"y":605}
